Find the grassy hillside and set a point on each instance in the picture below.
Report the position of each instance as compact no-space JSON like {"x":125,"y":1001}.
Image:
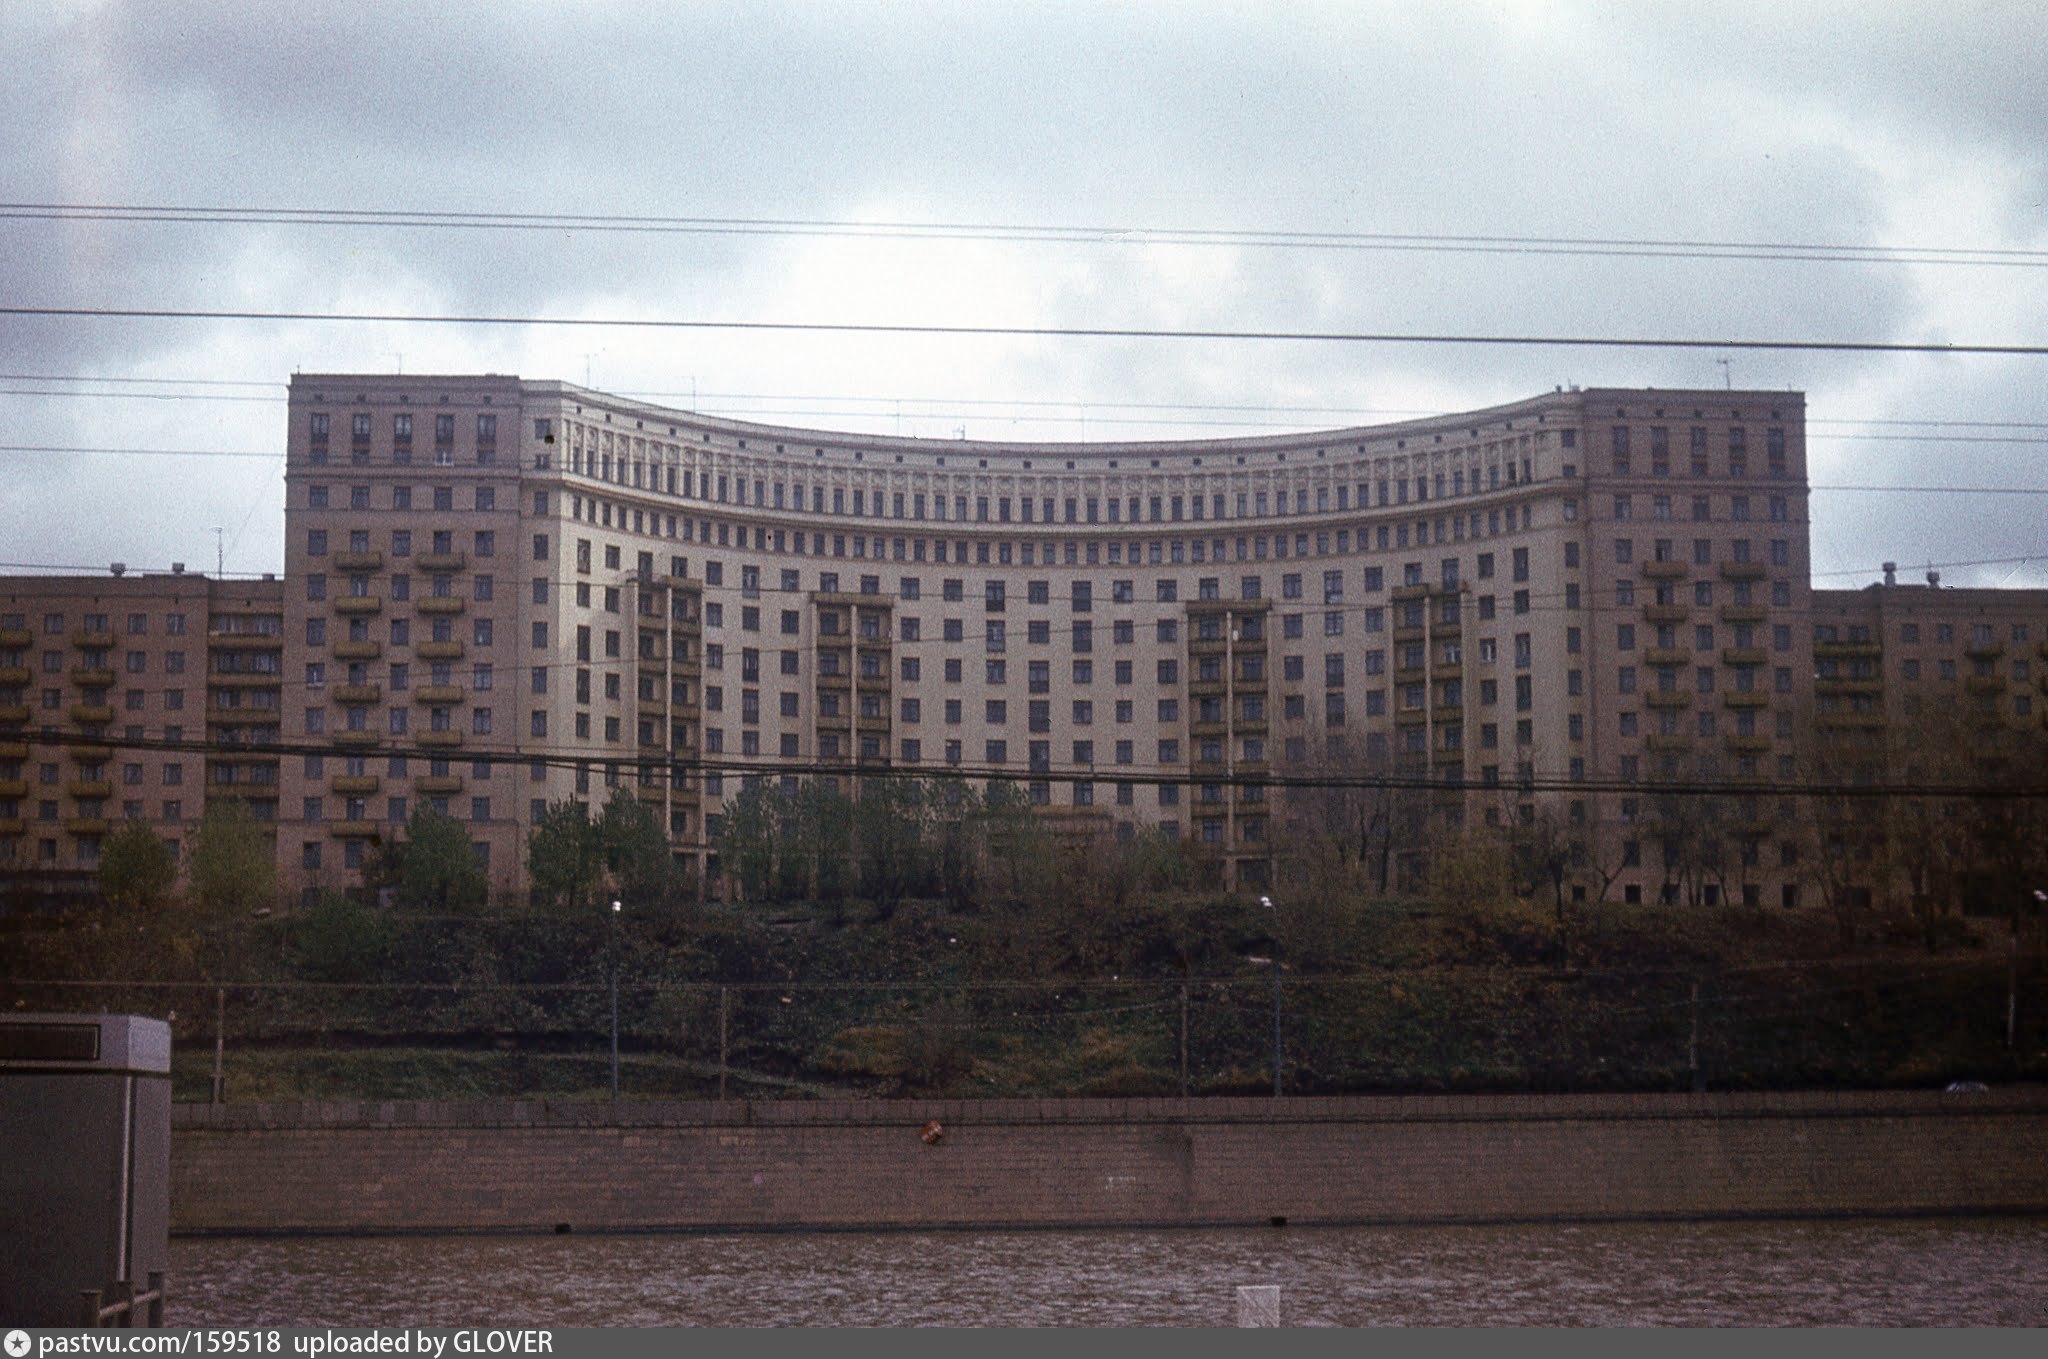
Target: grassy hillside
{"x":1134,"y":999}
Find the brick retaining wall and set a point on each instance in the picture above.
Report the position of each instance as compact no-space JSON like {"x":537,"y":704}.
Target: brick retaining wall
{"x":512,"y":1166}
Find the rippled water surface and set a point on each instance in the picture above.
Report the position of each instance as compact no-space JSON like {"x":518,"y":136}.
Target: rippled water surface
{"x":1943,"y":1272}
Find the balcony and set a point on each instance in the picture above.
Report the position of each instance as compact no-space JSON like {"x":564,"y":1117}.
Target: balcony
{"x":14,"y":637}
{"x":1668,"y":698}
{"x":442,"y":561}
{"x":13,"y":750}
{"x":1661,"y":656}
{"x":1743,"y":571}
{"x":1984,"y":651}
{"x":90,"y":788}
{"x":441,"y":694}
{"x":1976,"y":684}
{"x":355,"y":784}
{"x":1867,"y":721}
{"x":89,"y":641}
{"x":1868,"y":685}
{"x":1667,"y":613}
{"x":1667,"y":570}
{"x":1403,"y":592}
{"x":438,"y":785}
{"x":14,"y":712}
{"x":245,"y":679}
{"x":1848,"y":650}
{"x":1668,"y":745}
{"x":15,"y":674}
{"x":1742,"y":613}
{"x":240,"y":717}
{"x":86,"y":825}
{"x":355,"y":738}
{"x":359,"y":561}
{"x":13,"y":788}
{"x":438,"y":740}
{"x":439,"y":651}
{"x":353,"y":830}
{"x":1405,"y":634}
{"x":358,"y":651}
{"x":358,"y":693}
{"x":441,"y":605}
{"x":91,"y":714}
{"x":93,"y":679}
{"x":1743,"y":655}
{"x":244,"y":641}
{"x":1746,"y":698}
{"x":13,"y":825}
{"x":359,"y":604}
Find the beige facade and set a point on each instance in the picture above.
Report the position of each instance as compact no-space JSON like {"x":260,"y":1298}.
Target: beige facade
{"x":1561,"y":591}
{"x":501,"y":594}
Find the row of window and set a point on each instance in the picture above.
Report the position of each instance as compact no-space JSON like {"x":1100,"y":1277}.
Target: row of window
{"x":1702,"y":508}
{"x":1155,"y":552}
{"x":768,"y":492}
{"x":138,"y":624}
{"x":1981,"y":634}
{"x":1623,"y":449}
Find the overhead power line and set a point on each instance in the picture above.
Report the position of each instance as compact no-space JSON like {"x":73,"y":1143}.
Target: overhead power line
{"x":1042,"y":332}
{"x":1087,"y":410}
{"x":1126,"y":236}
{"x":772,"y":767}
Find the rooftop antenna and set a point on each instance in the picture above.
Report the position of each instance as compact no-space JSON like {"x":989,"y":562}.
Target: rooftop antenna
{"x":1727,"y":377}
{"x":401,"y":363}
{"x":220,"y":555}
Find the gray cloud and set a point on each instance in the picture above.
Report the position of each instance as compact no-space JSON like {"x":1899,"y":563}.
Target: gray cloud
{"x":1857,"y":125}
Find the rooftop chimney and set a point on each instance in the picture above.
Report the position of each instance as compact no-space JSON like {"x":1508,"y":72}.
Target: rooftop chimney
{"x":119,"y":568}
{"x":1891,"y":573}
{"x":177,"y":568}
{"x":1934,"y":580}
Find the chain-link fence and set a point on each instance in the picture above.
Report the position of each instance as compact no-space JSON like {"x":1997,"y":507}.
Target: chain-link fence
{"x":1463,"y":1028}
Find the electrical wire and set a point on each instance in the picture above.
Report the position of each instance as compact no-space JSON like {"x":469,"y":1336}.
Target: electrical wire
{"x":1038,"y":233}
{"x":771,"y":767}
{"x":1975,"y":348}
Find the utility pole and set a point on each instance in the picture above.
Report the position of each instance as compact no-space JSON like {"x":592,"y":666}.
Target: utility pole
{"x":1274,"y":962}
{"x":612,"y":952}
{"x":1692,"y":1047}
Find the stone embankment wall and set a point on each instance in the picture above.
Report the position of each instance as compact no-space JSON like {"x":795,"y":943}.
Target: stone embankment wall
{"x":524,"y":1167}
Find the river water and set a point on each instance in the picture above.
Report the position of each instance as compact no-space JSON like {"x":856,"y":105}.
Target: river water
{"x":1921,"y":1272}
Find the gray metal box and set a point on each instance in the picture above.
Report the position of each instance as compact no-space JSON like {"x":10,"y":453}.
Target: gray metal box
{"x":85,"y":1160}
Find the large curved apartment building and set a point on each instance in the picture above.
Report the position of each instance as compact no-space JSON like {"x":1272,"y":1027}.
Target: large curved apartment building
{"x":503,"y":593}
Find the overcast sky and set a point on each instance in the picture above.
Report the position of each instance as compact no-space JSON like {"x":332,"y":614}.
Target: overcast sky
{"x":1889,"y":133}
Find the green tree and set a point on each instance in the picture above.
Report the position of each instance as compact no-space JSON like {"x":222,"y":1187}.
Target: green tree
{"x":564,"y":857}
{"x":434,"y":867}
{"x":137,"y":869}
{"x":232,"y":868}
{"x":633,"y":849}
{"x":893,"y":841}
{"x":749,"y":839}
